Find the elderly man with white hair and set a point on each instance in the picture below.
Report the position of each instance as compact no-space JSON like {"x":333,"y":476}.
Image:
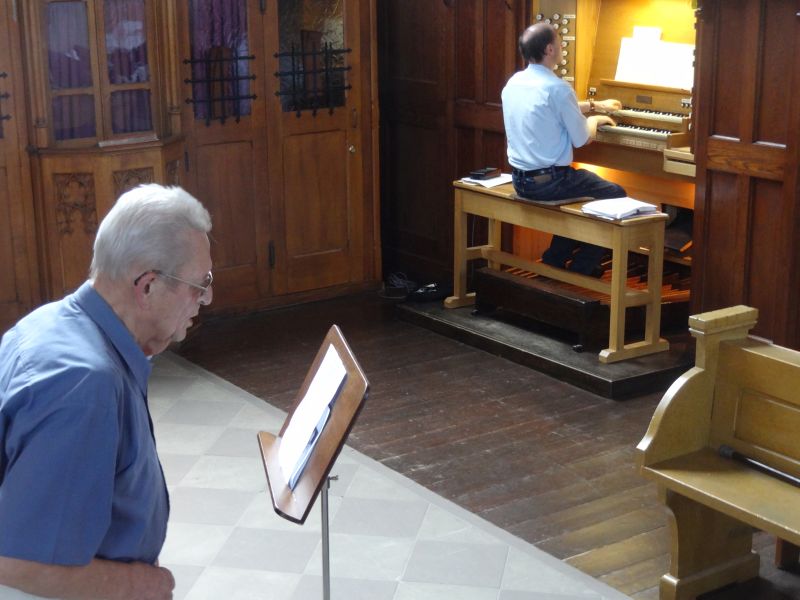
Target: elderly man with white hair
{"x":83,"y":501}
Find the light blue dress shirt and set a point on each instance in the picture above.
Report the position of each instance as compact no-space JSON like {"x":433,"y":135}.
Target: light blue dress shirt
{"x":79,"y":473}
{"x":542,"y":119}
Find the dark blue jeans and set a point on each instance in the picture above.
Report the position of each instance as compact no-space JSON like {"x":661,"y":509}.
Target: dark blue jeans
{"x":570,"y":183}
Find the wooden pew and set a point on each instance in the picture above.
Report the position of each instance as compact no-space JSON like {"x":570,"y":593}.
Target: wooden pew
{"x":743,"y":392}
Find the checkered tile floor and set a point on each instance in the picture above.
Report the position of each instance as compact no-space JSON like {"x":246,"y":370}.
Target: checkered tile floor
{"x":390,"y":539}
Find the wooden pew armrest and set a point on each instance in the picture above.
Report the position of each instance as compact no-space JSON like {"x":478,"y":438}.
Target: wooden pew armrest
{"x":681,"y":421}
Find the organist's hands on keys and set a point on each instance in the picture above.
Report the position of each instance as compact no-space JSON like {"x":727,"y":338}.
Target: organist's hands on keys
{"x":599,"y":111}
{"x":608,"y":106}
{"x":646,"y":118}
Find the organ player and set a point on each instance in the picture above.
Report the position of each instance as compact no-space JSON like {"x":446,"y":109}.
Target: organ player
{"x":543,"y":121}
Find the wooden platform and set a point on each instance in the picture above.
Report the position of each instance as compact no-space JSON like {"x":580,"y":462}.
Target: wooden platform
{"x":550,"y":351}
{"x":584,"y":313}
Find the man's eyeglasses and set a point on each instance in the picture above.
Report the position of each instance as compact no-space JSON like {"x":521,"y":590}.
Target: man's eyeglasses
{"x":203,"y":287}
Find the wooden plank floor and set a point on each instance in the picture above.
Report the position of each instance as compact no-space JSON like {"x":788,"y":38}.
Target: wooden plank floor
{"x":548,"y":462}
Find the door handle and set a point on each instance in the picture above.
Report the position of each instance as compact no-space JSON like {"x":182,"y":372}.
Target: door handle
{"x":351,"y":149}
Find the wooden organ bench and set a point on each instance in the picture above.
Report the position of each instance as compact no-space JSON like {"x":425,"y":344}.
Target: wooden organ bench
{"x":501,"y":205}
{"x":744,"y":394}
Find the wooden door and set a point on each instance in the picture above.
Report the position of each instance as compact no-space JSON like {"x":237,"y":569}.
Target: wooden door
{"x":747,"y":210}
{"x":320,"y":143}
{"x":223,"y":118}
{"x":19,"y":290}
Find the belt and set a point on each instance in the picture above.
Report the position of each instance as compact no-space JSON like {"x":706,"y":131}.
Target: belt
{"x":535,"y":172}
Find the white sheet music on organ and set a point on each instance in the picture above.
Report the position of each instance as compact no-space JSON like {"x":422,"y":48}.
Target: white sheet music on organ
{"x":645,"y":58}
{"x":310,"y":416}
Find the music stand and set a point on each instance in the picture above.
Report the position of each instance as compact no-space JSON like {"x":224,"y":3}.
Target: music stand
{"x":295,"y":504}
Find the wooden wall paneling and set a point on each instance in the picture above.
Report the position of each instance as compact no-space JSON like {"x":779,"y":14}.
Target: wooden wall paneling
{"x":792,"y":190}
{"x":469,"y":50}
{"x":370,"y":116}
{"x":746,"y":216}
{"x":474,"y":55}
{"x":701,"y":115}
{"x":416,"y":61}
{"x":492,"y":29}
{"x":169,"y":63}
{"x":766,"y":269}
{"x":722,"y":239}
{"x":775,"y":77}
{"x":499,"y":45}
{"x":35,"y":69}
{"x":19,"y":281}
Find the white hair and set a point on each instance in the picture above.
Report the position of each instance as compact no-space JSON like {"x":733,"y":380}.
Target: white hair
{"x":146,"y":228}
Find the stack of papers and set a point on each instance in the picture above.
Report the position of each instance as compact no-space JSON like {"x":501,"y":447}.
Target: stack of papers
{"x":618,"y":208}
{"x":489,"y":183}
{"x":310,"y":416}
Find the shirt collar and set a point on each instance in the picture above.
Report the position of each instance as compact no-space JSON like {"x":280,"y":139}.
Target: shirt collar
{"x":539,"y":68}
{"x":106,"y":319}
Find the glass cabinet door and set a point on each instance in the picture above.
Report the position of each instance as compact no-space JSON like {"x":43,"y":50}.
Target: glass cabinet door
{"x":127,"y":65}
{"x":70,"y":71}
{"x":311,"y":54}
{"x":220,"y":59}
{"x":98,"y":72}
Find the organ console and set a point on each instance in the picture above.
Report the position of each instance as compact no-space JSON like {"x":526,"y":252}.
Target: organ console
{"x":648,"y":151}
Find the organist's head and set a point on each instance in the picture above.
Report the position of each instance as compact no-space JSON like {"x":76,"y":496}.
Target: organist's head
{"x":538,"y":43}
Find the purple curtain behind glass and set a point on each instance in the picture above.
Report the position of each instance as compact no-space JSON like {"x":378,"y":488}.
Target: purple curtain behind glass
{"x":126,"y":53}
{"x":69,"y":67}
{"x":126,"y":41}
{"x":218,"y":24}
{"x":130,"y":111}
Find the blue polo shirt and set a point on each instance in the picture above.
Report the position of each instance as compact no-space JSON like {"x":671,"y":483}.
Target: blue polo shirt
{"x":542,"y":119}
{"x":79,"y":473}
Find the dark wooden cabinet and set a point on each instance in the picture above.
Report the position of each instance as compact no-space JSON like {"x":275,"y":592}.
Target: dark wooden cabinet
{"x":747,"y":206}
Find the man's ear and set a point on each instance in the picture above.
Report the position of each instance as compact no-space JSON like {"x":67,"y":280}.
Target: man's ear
{"x":143,"y":288}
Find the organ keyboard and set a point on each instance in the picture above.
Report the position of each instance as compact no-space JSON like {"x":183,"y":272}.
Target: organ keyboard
{"x":652,"y":118}
{"x":637,"y":137}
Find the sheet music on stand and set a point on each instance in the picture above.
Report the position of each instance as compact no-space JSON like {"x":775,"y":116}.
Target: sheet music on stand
{"x":298,"y":460}
{"x":646,"y":59}
{"x":310,"y":417}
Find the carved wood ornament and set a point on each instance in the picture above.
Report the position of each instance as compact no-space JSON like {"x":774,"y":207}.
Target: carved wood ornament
{"x":75,"y":192}
{"x":129,"y":179}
